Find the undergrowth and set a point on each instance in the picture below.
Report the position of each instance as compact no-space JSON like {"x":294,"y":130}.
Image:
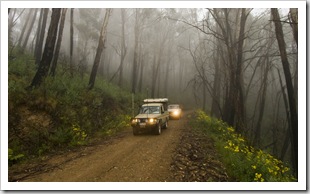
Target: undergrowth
{"x":61,"y":113}
{"x":243,"y":162}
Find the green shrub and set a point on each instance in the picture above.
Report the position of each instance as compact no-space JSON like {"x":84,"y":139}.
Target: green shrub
{"x":76,"y":114}
{"x":13,"y":158}
{"x":243,"y":162}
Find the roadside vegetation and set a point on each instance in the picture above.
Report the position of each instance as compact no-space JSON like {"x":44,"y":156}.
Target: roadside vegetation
{"x":243,"y":162}
{"x":62,"y":113}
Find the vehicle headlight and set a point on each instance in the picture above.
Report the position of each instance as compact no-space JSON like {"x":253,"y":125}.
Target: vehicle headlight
{"x":152,"y":120}
{"x":176,"y":112}
{"x":135,"y":120}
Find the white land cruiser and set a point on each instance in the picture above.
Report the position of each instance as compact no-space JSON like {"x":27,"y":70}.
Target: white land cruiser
{"x":153,"y":116}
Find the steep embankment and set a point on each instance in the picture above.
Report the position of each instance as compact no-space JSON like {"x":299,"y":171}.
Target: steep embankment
{"x":178,"y":154}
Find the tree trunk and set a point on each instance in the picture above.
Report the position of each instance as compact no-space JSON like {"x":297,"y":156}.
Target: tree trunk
{"x":141,"y":74}
{"x":11,"y":24}
{"x":290,"y":89}
{"x":71,"y":41}
{"x":123,"y":48}
{"x":38,"y":52}
{"x":294,"y":23}
{"x":240,"y":108}
{"x":38,"y":31}
{"x":100,"y":48}
{"x":153,"y":77}
{"x":29,"y":29}
{"x":215,"y":107}
{"x":263,"y":90}
{"x":135,"y":55}
{"x":167,"y":73}
{"x":287,"y":111}
{"x":156,"y":68}
{"x":24,"y":28}
{"x":48,"y":50}
{"x":59,"y":39}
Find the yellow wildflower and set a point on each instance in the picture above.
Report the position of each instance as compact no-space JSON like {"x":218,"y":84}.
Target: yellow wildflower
{"x":230,"y":129}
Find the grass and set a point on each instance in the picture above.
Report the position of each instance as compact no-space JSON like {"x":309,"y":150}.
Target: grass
{"x":74,"y":114}
{"x":243,"y":162}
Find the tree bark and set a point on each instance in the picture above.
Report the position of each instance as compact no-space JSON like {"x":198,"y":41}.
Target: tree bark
{"x":38,"y":31}
{"x":290,"y":89}
{"x":123,"y":48}
{"x":24,"y":28}
{"x":294,"y":23}
{"x":167,"y":71}
{"x":30,"y":29}
{"x":287,"y":111}
{"x":38,"y":52}
{"x":240,"y":108}
{"x":135,"y":55}
{"x":59,"y":39}
{"x":141,"y":73}
{"x":71,"y":41}
{"x":102,"y":38}
{"x":215,"y":107}
{"x":263,"y":90}
{"x":48,"y":50}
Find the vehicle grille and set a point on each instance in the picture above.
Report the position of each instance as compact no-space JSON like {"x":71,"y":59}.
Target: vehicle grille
{"x":143,"y":120}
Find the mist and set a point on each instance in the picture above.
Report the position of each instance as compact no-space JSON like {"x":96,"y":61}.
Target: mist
{"x":226,"y":62}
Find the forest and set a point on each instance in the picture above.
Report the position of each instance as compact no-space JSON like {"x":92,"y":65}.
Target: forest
{"x":70,"y":66}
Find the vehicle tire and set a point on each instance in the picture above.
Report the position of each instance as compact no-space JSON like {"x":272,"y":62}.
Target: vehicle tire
{"x":134,"y":131}
{"x":166,"y":125}
{"x":158,"y":129}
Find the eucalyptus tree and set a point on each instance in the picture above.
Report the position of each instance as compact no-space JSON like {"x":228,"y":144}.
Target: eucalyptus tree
{"x":102,"y":39}
{"x":289,"y":86}
{"x":71,"y":39}
{"x":58,"y":43}
{"x":40,"y":38}
{"x":47,"y":57}
{"x":30,"y":29}
{"x":88,"y":26}
{"x":27,"y":19}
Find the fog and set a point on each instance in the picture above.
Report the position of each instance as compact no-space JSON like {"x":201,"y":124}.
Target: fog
{"x":194,"y":57}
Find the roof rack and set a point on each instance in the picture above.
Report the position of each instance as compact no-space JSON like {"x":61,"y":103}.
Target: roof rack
{"x":156,"y":100}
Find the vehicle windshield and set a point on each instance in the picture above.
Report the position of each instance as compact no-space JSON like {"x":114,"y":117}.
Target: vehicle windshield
{"x":173,"y":106}
{"x":150,"y":110}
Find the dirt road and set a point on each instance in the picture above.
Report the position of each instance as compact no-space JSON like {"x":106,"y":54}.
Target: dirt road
{"x":128,"y":158}
{"x":179,"y":154}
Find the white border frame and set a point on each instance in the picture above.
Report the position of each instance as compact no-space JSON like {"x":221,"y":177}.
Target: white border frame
{"x":301,"y":185}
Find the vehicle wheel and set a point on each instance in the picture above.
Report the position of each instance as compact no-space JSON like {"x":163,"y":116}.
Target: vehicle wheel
{"x":166,"y":125}
{"x":158,"y":129}
{"x":135,"y":131}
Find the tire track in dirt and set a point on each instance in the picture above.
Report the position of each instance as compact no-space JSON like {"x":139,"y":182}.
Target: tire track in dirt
{"x":141,"y":158}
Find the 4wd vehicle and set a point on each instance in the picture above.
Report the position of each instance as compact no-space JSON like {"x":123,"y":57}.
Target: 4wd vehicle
{"x":153,"y":116}
{"x":175,"y":111}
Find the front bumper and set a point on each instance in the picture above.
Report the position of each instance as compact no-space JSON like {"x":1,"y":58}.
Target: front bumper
{"x":144,"y":126}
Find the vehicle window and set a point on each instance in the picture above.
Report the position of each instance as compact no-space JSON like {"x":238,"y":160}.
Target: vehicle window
{"x":150,"y":110}
{"x":173,"y":106}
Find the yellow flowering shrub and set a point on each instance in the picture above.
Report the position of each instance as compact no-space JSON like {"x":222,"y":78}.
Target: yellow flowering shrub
{"x":244,"y":162}
{"x":79,"y":136}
